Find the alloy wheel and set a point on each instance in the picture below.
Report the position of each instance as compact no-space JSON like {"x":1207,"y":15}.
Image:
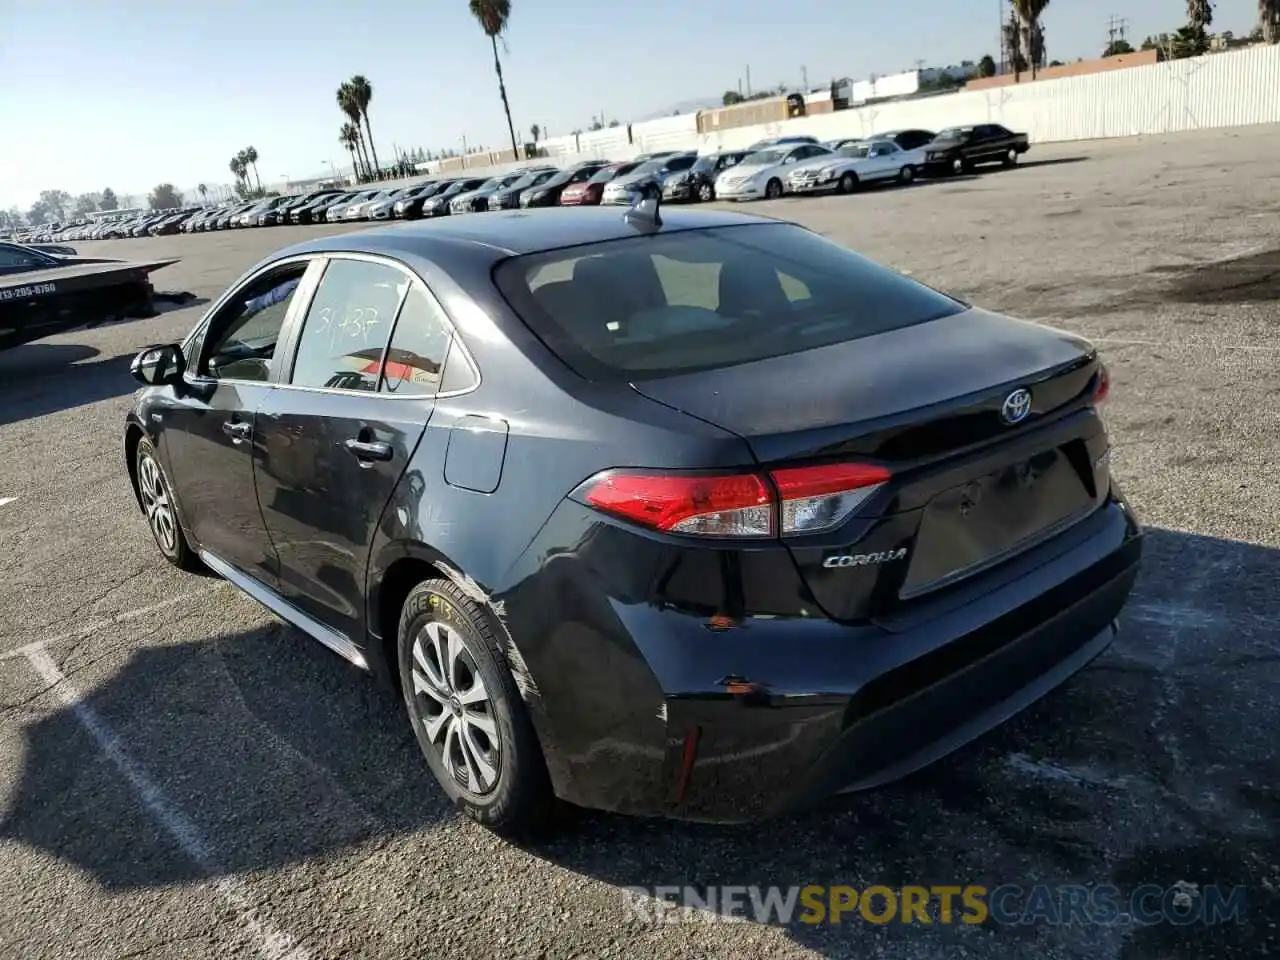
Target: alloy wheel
{"x":455,"y":708}
{"x":155,"y":500}
{"x":773,"y":189}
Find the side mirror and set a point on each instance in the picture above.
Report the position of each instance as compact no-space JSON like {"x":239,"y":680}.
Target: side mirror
{"x":158,"y":366}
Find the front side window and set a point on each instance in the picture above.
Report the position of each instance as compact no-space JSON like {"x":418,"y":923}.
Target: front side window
{"x":13,"y":259}
{"x":243,"y":337}
{"x":702,"y":299}
{"x":347,"y":325}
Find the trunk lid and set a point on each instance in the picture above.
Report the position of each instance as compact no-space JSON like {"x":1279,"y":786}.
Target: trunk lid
{"x":968,"y":489}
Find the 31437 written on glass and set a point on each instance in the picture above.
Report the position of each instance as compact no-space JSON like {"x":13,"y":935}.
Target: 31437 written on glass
{"x":22,"y":293}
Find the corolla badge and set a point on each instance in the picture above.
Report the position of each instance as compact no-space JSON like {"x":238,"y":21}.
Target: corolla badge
{"x":1016,"y":406}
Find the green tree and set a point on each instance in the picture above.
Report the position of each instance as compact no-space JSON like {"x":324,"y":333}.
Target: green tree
{"x":987,"y":66}
{"x":350,"y":106}
{"x":1269,"y":20}
{"x":10,"y":219}
{"x":1200,"y":14}
{"x":349,"y":137}
{"x":251,"y":158}
{"x":1116,"y":47}
{"x":1189,"y":41}
{"x":1012,"y":31}
{"x":51,"y":207}
{"x":164,"y":197}
{"x":535,"y":130}
{"x":362,"y":93}
{"x":86,"y":203}
{"x":240,"y":170}
{"x":1028,"y":14}
{"x":204,"y":193}
{"x":108,"y":200}
{"x":731,"y":97}
{"x":492,"y":16}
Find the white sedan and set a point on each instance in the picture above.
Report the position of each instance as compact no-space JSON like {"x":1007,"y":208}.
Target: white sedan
{"x":855,"y":164}
{"x":762,"y":175}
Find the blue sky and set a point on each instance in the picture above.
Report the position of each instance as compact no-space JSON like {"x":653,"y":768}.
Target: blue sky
{"x":136,"y":92}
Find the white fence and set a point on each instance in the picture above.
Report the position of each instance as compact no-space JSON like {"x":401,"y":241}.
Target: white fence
{"x":1220,"y":90}
{"x":1234,"y":88}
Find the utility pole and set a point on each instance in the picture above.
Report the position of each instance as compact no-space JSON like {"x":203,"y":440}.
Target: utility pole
{"x":748,"y":81}
{"x":804,"y":78}
{"x":1117,"y":30}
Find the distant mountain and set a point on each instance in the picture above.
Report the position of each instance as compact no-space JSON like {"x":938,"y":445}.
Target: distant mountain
{"x":684,"y":106}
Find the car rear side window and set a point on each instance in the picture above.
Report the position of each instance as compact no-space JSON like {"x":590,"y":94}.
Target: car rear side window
{"x":655,"y":306}
{"x":347,"y":325}
{"x":418,"y":347}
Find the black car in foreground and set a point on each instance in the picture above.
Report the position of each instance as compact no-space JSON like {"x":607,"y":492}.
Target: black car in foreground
{"x":712,"y":562}
{"x":961,"y":149}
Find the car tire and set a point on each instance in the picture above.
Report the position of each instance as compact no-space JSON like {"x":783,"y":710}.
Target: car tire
{"x":1011,"y":158}
{"x":773,"y":189}
{"x":907,"y":174}
{"x":848,"y":183}
{"x":706,"y":193}
{"x":484,"y":751}
{"x":160,"y":507}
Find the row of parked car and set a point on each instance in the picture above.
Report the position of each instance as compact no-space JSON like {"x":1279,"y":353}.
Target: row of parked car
{"x":764,"y":170}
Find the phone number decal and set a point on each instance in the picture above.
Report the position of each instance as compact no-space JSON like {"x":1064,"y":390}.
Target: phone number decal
{"x":21,"y":293}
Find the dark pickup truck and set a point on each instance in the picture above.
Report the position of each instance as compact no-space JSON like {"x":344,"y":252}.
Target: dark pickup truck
{"x":960,"y":149}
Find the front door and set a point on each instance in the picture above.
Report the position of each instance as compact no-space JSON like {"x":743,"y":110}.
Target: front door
{"x":337,"y":436}
{"x":207,"y":434}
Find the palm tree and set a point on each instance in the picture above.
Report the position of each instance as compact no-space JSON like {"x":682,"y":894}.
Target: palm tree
{"x":251,"y":158}
{"x":1029,"y":12}
{"x":204,"y":193}
{"x":493,"y":16}
{"x":362,"y":92}
{"x":237,"y":167}
{"x":347,"y":104}
{"x":535,"y":130}
{"x":349,"y":137}
{"x":1269,"y":20}
{"x":1013,"y":46}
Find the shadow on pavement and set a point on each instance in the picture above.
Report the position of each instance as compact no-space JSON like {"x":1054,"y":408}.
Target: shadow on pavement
{"x":1155,"y":765}
{"x":37,"y":379}
{"x":270,"y":747}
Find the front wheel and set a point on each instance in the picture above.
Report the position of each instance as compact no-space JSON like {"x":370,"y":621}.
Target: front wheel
{"x":848,"y":183}
{"x":706,"y":193}
{"x":773,"y":189}
{"x":906,"y":174}
{"x":1011,"y":158}
{"x":467,"y":713}
{"x":156,"y":496}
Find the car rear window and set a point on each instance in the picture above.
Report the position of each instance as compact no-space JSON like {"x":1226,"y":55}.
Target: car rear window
{"x":665,"y":304}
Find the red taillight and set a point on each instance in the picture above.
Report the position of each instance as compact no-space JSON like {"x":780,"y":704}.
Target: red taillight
{"x":808,"y":499}
{"x":1102,"y":389}
{"x":818,"y":498}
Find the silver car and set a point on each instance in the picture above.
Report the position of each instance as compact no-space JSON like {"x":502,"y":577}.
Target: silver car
{"x":854,"y":164}
{"x":627,"y":190}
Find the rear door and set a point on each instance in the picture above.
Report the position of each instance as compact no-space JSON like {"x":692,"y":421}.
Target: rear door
{"x":336,"y":439}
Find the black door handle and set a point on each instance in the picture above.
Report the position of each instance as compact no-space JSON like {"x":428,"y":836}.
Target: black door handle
{"x":237,"y":430}
{"x":369,"y":449}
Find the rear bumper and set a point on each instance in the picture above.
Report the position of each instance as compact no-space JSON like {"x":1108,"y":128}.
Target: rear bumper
{"x":646,"y":711}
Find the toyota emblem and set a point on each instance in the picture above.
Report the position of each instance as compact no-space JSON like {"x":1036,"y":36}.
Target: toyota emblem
{"x":1016,"y":406}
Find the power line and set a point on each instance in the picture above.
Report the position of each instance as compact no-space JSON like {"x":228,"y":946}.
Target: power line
{"x":1117,"y":30}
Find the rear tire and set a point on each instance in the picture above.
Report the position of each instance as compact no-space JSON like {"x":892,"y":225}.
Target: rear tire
{"x":773,"y":189}
{"x":467,"y":713}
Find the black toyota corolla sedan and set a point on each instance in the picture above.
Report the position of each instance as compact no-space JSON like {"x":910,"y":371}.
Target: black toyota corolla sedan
{"x":691,"y":514}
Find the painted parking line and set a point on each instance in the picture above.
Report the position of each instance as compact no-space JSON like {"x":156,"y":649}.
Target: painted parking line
{"x":6,"y":500}
{"x":101,"y":623}
{"x":272,"y":943}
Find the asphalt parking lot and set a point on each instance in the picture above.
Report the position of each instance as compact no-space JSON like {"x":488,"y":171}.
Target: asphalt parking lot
{"x":183,"y":776}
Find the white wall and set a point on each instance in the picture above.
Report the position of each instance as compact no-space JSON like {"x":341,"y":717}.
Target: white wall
{"x":891,"y":85}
